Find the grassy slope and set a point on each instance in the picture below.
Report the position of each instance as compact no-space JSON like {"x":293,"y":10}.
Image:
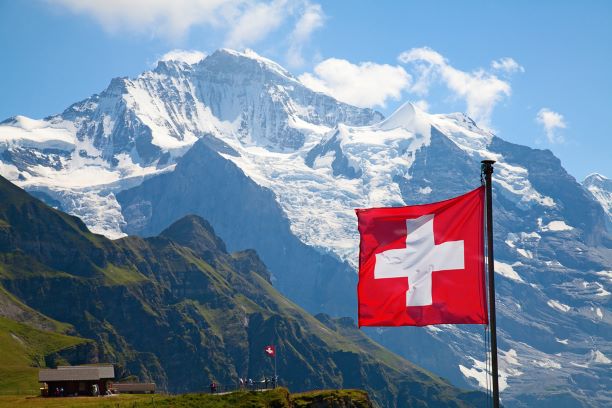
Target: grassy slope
{"x":22,"y":350}
{"x":279,"y":398}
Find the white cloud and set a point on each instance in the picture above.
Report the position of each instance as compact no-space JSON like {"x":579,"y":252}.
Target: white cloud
{"x":366,"y":84}
{"x":480,"y":89}
{"x":256,"y":22}
{"x":187,"y":56}
{"x":241,"y":22}
{"x":171,"y":19}
{"x":311,"y":19}
{"x":508,"y":65}
{"x":552,"y":122}
{"x":422,"y":104}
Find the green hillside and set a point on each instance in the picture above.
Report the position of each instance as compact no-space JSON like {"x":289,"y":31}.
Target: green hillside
{"x":181,"y":311}
{"x":278,"y":398}
{"x":23,"y":350}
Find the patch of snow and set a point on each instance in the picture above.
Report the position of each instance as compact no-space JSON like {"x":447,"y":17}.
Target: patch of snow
{"x":605,"y":274}
{"x":599,"y":357}
{"x":477,"y":372}
{"x":463,"y":132}
{"x":9,"y":171}
{"x":508,"y":363}
{"x":525,"y":253}
{"x":555,"y":226}
{"x":547,"y":363}
{"x":562,"y":341}
{"x":521,"y":240}
{"x":600,"y":289}
{"x":507,"y":271}
{"x":517,"y":187}
{"x":39,"y":134}
{"x":558,"y":305}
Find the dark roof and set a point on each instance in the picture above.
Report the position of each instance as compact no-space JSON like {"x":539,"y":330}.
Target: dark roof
{"x":132,"y":387}
{"x":77,"y":373}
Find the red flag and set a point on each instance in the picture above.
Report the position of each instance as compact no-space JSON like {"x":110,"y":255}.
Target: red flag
{"x":423,"y":264}
{"x":270,"y":351}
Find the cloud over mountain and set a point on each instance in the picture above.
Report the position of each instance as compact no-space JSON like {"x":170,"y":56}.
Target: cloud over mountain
{"x":551,"y":121}
{"x":366,"y":84}
{"x":480,"y":89}
{"x":241,"y":22}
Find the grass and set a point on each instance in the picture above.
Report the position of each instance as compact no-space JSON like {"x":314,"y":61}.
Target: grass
{"x":22,"y":351}
{"x":278,"y":398}
{"x":7,"y":401}
{"x":30,"y":316}
{"x":336,"y":398}
{"x":114,"y":275}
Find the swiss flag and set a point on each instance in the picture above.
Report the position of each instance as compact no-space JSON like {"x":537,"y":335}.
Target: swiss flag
{"x":270,"y":351}
{"x":423,"y":264}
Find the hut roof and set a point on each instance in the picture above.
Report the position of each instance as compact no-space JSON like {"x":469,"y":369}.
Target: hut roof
{"x":77,"y":373}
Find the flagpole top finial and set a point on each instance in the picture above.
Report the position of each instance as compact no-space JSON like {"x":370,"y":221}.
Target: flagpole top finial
{"x":487,"y":166}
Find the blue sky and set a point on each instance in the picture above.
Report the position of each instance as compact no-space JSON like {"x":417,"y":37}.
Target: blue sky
{"x":537,"y":73}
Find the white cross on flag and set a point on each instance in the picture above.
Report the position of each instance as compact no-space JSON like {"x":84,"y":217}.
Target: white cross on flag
{"x":423,"y":264}
{"x":270,"y":351}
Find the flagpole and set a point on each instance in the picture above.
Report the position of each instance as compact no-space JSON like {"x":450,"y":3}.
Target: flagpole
{"x":487,"y":169}
{"x":275,"y":378}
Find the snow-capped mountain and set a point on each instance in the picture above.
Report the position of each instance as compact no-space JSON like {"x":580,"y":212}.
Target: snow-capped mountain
{"x":280,"y":168}
{"x":601,"y":188}
{"x":138,"y":127}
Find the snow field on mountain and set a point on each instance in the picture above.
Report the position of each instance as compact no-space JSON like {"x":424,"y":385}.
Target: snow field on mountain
{"x":320,"y":205}
{"x":40,"y":134}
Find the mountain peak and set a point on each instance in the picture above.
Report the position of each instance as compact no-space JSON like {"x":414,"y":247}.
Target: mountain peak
{"x":409,"y":117}
{"x":194,"y":232}
{"x":227,"y":55}
{"x":601,"y":188}
{"x":595,"y":178}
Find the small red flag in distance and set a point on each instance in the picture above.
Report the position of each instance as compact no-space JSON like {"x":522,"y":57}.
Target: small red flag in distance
{"x":423,"y":264}
{"x":270,"y":351}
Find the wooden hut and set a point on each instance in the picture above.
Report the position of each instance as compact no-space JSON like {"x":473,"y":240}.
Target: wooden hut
{"x":76,"y":380}
{"x":133,"y":388}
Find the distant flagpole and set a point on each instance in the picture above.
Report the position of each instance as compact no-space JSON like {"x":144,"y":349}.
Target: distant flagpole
{"x":487,"y":169}
{"x":275,"y":378}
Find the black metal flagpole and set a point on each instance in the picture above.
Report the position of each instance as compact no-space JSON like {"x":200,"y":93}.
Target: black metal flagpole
{"x":487,"y":169}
